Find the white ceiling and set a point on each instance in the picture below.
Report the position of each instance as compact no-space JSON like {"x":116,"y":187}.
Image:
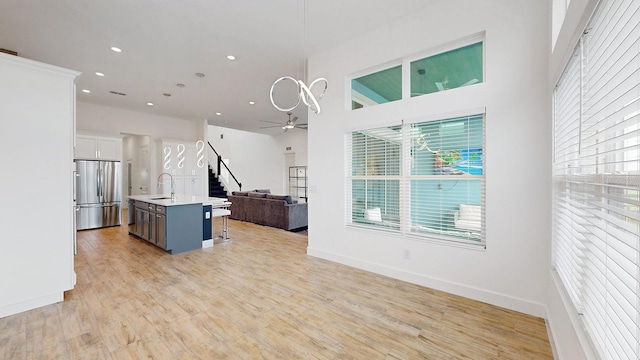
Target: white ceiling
{"x":166,"y":42}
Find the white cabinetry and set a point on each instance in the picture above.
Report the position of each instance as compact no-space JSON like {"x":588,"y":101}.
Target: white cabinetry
{"x":182,"y":161}
{"x":98,"y":147}
{"x":36,"y":141}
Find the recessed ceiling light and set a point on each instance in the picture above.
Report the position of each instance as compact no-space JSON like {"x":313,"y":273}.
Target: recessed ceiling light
{"x":86,"y":91}
{"x":150,"y":103}
{"x":166,"y":94}
{"x":99,"y":73}
{"x":231,"y":57}
{"x":218,"y":114}
{"x":252,"y":102}
{"x":180,"y":85}
{"x":116,"y":49}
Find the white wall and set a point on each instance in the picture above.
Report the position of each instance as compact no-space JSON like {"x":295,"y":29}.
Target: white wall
{"x":257,"y":160}
{"x":512,"y":270}
{"x":98,"y":119}
{"x":36,"y":215}
{"x":297,"y":141}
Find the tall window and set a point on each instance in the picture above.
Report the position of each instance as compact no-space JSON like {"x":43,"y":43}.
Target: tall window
{"x":596,"y":240}
{"x":375,"y":176}
{"x":423,"y":179}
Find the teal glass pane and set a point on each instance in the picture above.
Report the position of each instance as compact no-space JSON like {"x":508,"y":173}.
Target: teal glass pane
{"x":377,"y":88}
{"x":376,"y":203}
{"x":376,"y":152}
{"x":436,"y":205}
{"x":449,"y":70}
{"x":448,"y":147}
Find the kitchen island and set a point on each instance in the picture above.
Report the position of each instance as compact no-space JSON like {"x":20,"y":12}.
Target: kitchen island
{"x":176,"y":224}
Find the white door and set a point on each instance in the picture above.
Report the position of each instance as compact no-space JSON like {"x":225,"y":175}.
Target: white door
{"x":289,"y":160}
{"x":129,"y":183}
{"x":144,"y":170}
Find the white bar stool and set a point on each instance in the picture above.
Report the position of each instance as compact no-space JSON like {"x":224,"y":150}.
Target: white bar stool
{"x":224,"y":214}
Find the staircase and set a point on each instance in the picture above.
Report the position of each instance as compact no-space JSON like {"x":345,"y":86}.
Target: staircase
{"x":215,"y":187}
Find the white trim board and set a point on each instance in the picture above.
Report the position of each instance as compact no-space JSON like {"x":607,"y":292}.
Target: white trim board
{"x":489,"y":297}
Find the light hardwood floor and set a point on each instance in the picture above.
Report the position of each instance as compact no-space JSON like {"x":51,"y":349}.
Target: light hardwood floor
{"x":257,"y":297}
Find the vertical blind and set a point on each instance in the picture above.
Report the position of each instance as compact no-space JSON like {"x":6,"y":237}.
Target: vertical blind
{"x":596,"y":242}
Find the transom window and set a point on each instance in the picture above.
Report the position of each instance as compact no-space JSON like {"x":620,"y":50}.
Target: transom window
{"x":458,"y":67}
{"x":449,"y":70}
{"x":377,"y":88}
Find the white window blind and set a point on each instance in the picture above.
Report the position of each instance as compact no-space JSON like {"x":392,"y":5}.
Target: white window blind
{"x":446,"y":184}
{"x":567,"y":245}
{"x":596,"y":243}
{"x":425,"y":179}
{"x":374,"y":170}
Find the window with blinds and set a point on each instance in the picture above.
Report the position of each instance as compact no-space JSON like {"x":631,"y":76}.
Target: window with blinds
{"x":374,"y":177}
{"x":446,"y":178}
{"x":596,"y":240}
{"x":425,"y":179}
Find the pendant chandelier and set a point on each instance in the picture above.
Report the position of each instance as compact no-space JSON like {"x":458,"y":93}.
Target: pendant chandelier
{"x":304,"y":92}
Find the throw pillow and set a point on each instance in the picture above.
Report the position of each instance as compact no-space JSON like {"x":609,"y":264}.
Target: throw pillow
{"x":374,"y":214}
{"x":257,"y":195}
{"x":286,"y":198}
{"x":470,"y":212}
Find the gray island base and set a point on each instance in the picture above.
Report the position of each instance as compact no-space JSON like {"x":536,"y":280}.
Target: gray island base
{"x":174,"y":225}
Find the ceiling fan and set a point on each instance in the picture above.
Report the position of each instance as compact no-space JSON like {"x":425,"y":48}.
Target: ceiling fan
{"x":442,"y":85}
{"x":290,"y":124}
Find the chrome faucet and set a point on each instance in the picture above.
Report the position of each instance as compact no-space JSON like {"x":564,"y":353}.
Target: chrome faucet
{"x":173,"y":191}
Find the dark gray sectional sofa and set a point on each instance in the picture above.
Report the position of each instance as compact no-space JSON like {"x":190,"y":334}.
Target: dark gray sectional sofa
{"x":270,"y":210}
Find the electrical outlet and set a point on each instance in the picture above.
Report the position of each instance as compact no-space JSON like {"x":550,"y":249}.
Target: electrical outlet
{"x":407,"y":254}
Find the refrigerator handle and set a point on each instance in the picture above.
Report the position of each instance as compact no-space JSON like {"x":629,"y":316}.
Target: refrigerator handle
{"x":75,"y":184}
{"x":101,"y":179}
{"x":98,"y":190}
{"x":75,"y":232}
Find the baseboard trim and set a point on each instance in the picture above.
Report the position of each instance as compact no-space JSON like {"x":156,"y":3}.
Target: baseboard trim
{"x":31,"y":304}
{"x":474,"y":293}
{"x":207,"y":243}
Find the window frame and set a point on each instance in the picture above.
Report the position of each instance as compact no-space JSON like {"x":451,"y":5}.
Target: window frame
{"x":405,"y":178}
{"x":405,"y":64}
{"x":369,"y":71}
{"x":440,"y":49}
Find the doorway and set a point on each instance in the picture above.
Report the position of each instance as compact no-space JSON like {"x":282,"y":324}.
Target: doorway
{"x":289,"y":161}
{"x":135,"y":149}
{"x":129,"y":186}
{"x":144,"y":169}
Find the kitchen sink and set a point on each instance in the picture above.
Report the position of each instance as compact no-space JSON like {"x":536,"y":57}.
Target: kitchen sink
{"x":161,"y":198}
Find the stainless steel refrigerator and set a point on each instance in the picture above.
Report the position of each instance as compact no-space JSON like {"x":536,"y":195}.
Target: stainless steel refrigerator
{"x":98,"y":193}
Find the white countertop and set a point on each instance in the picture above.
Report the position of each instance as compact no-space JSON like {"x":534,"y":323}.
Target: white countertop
{"x":165,"y":200}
